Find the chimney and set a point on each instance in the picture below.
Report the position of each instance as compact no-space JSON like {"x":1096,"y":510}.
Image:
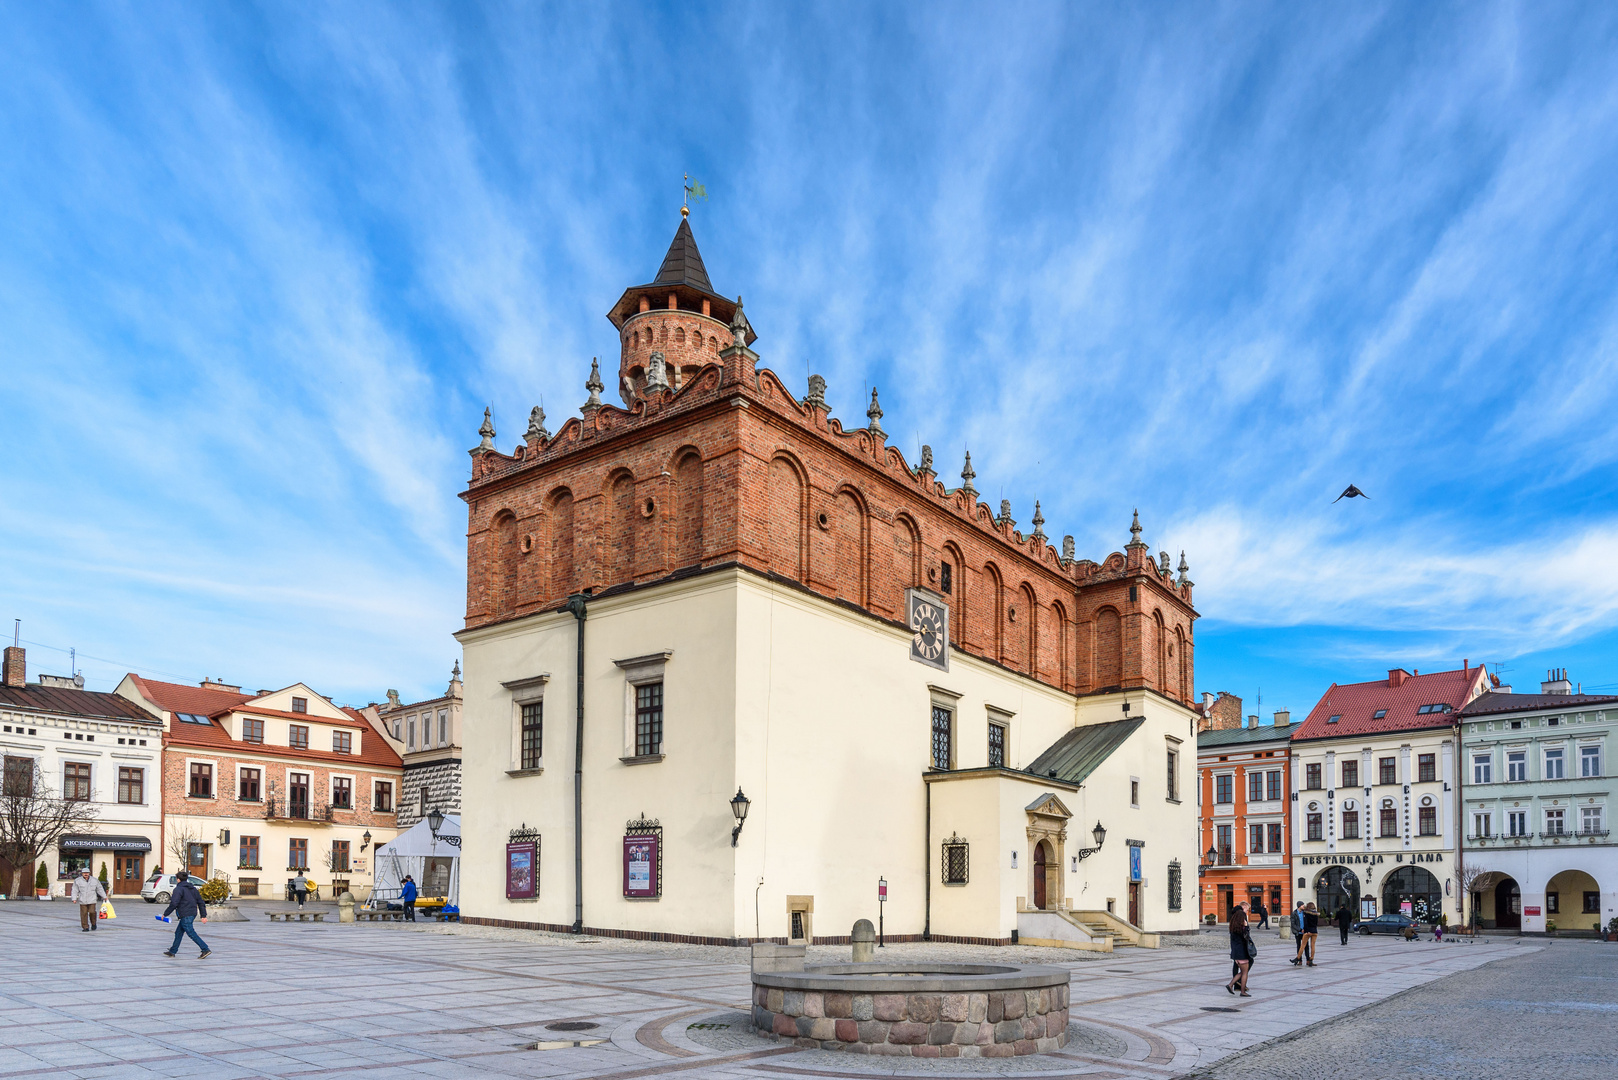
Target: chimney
{"x":1556,"y":682}
{"x":219,"y":684}
{"x":1283,"y":717}
{"x":1252,"y":721}
{"x":1397,"y":677}
{"x":16,"y":666}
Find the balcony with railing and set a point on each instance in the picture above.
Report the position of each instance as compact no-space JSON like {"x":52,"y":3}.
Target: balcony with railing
{"x":276,"y":809}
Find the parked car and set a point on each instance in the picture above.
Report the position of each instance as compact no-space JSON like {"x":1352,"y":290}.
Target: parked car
{"x":158,"y":889}
{"x":1384,"y":924}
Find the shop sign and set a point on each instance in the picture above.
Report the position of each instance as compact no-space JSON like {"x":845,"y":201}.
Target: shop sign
{"x":1530,"y":911}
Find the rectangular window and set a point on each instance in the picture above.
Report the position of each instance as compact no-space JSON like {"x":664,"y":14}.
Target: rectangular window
{"x":339,"y":856}
{"x":297,"y":854}
{"x":1387,"y":770}
{"x":247,"y":853}
{"x":1390,"y":822}
{"x":649,"y":719}
{"x":1481,"y":824}
{"x":298,"y":736}
{"x":410,"y":741}
{"x":1555,"y":823}
{"x":1426,"y":769}
{"x":342,"y":742}
{"x":1351,"y":825}
{"x":997,"y":746}
{"x":252,"y":730}
{"x":76,"y":781}
{"x":300,"y":704}
{"x":1272,"y":784}
{"x":1311,"y":776}
{"x":1482,"y":769}
{"x":1275,"y":836}
{"x":1428,"y":823}
{"x":298,"y":795}
{"x":955,"y":864}
{"x":131,"y":785}
{"x":1223,"y":844}
{"x":1590,"y":819}
{"x":1351,"y":773}
{"x":342,"y":793}
{"x":1134,"y":793}
{"x":1255,"y":839}
{"x":19,"y":776}
{"x":201,"y":780}
{"x":247,"y":785}
{"x":533,"y":734}
{"x":1516,"y":766}
{"x":1592,"y":903}
{"x":943,"y":723}
{"x":443,"y":727}
{"x":1555,"y":766}
{"x":1174,"y":774}
{"x":1316,"y":827}
{"x":1553,"y":903}
{"x":384,"y":797}
{"x":1255,"y":787}
{"x":1589,"y":761}
{"x":1224,"y":788}
{"x":1517,"y":822}
{"x":422,"y":791}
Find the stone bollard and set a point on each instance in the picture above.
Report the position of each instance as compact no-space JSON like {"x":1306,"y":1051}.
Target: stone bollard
{"x":345,"y":907}
{"x":864,"y":938}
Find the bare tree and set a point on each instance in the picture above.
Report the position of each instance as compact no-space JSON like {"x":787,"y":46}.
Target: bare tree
{"x":33,"y":818}
{"x":181,"y":837}
{"x":1466,"y":875}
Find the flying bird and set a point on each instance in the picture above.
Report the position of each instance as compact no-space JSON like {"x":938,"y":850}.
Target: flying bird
{"x":1351,"y":492}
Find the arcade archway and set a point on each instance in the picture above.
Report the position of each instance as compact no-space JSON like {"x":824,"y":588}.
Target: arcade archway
{"x":1413,"y":891}
{"x":1335,"y":886}
{"x":1507,"y":905}
{"x":1577,"y":901}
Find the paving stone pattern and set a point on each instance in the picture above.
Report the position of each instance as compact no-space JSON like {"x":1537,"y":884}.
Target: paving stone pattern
{"x":386,"y":1001}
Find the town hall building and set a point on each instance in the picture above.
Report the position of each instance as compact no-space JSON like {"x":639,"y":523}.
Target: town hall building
{"x":735,"y":670}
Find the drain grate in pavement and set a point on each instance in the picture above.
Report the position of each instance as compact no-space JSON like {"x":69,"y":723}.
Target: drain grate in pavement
{"x":563,"y":1044}
{"x":1121,"y":971}
{"x":1219,"y":1008}
{"x":572,"y":1025}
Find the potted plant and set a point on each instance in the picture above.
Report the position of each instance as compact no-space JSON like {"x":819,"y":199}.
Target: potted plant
{"x":1210,"y":918}
{"x":42,"y":883}
{"x":1550,"y":926}
{"x":1612,"y":929}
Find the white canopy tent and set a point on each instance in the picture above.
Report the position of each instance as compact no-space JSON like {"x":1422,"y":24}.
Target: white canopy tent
{"x":435,"y":864}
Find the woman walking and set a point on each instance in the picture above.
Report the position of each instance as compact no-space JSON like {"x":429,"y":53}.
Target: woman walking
{"x":1241,"y":950}
{"x":1311,"y":932}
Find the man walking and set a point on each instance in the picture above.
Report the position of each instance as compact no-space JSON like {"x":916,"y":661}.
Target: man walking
{"x":1297,"y":932}
{"x":1261,"y":913}
{"x":1343,"y":919}
{"x":407,"y":896}
{"x":300,"y":888}
{"x":88,"y":893}
{"x":186,"y":902}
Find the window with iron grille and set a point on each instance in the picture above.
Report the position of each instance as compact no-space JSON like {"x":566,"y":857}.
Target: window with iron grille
{"x":131,"y":785}
{"x":1390,"y":822}
{"x":1174,"y":774}
{"x":76,"y":780}
{"x":298,"y":736}
{"x":1351,"y":774}
{"x":1426,"y":769}
{"x":1428,"y":821}
{"x":252,"y":730}
{"x":649,"y":719}
{"x":1387,"y":770}
{"x":533,"y":734}
{"x":342,"y":742}
{"x":342,"y":793}
{"x":943,"y":721}
{"x":201,"y":780}
{"x":997,"y":746}
{"x":1315,"y":827}
{"x":1311,"y":776}
{"x":955,"y":864}
{"x":1174,"y":885}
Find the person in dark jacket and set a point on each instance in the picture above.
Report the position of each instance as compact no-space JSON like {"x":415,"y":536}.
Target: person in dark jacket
{"x":1261,"y":913}
{"x":1311,"y":932}
{"x":187,"y":903}
{"x":1297,"y":932}
{"x":1241,"y":950}
{"x":1343,"y":920}
{"x":407,"y":896}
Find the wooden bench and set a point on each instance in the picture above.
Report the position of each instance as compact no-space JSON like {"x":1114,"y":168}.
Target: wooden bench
{"x":385,"y":916}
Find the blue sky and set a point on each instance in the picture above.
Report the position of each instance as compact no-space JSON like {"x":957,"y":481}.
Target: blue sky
{"x":263,"y":266}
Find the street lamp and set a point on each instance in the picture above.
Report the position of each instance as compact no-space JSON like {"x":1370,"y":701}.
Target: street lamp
{"x":738,"y":808}
{"x":1100,"y":835}
{"x":365,"y":839}
{"x":1208,"y":860}
{"x":881,"y":911}
{"x":435,"y":821}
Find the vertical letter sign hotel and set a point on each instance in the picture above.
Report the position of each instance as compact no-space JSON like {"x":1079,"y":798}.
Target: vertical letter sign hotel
{"x":643,"y":854}
{"x":522,"y":866}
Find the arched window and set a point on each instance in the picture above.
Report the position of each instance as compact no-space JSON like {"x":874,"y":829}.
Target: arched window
{"x":561,"y":543}
{"x":679,"y":335}
{"x":688,"y":496}
{"x":784,"y":516}
{"x":507,"y":555}
{"x":622,"y":532}
{"x":848,"y":523}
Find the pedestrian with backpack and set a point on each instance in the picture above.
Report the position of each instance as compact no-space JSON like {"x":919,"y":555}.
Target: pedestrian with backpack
{"x":186,"y":902}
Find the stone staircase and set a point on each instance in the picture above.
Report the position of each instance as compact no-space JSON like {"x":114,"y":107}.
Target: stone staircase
{"x":1104,"y":924}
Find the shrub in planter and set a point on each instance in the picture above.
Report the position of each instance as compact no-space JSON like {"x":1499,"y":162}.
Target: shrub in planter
{"x":216,"y":890}
{"x":1210,"y":918}
{"x":42,"y":881}
{"x":1550,"y":926}
{"x":103,"y":875}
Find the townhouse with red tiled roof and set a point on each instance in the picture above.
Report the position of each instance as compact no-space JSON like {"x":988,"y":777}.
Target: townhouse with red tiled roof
{"x":260,"y":786}
{"x":1376,"y":790}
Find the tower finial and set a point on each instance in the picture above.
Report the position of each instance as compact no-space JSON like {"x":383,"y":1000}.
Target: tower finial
{"x":967,"y":476}
{"x":1039,"y":522}
{"x":594,"y":385}
{"x":536,"y":426}
{"x":1135,"y":531}
{"x":875,"y":415}
{"x":1185,"y":570}
{"x":487,"y":431}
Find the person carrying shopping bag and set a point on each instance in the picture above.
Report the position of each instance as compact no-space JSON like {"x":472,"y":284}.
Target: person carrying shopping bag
{"x":187,"y":903}
{"x":88,"y":893}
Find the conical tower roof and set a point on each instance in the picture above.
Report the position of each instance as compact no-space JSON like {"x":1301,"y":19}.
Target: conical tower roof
{"x":683,"y":264}
{"x":682,"y":274}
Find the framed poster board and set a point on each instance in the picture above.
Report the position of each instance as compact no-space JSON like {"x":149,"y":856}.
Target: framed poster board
{"x":643,"y":871}
{"x":522,"y":870}
{"x":1134,"y":863}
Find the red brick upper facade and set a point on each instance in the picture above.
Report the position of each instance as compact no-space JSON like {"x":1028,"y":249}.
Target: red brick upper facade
{"x":731,"y":468}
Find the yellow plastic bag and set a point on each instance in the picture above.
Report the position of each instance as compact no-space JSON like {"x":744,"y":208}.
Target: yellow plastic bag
{"x":107,"y":911}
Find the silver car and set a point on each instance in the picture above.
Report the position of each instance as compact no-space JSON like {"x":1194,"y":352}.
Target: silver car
{"x":158,"y":889}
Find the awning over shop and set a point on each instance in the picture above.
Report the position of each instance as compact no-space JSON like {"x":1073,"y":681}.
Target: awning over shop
{"x":105,"y":843}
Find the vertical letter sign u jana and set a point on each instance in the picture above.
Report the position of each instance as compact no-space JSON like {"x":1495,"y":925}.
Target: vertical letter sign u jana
{"x":522,"y":877}
{"x":640,"y":866}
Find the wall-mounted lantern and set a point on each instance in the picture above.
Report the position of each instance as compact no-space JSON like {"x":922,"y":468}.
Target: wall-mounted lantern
{"x":738,"y":808}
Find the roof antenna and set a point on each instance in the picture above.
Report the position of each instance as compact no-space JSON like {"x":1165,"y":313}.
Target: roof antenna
{"x":16,"y":634}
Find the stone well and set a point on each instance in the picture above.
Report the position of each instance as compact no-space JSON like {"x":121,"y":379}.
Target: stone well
{"x":915,"y":1010}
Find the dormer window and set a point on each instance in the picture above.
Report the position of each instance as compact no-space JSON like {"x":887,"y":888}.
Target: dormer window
{"x":1379,"y":714}
{"x":1334,"y":719}
{"x":1438,"y":708}
{"x":300,"y":704}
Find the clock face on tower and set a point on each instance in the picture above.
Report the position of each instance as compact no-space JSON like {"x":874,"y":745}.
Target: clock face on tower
{"x":929,"y":625}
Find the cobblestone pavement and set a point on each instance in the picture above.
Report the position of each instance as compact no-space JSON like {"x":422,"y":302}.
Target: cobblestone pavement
{"x":1543,"y":1013}
{"x":390,"y":1001}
